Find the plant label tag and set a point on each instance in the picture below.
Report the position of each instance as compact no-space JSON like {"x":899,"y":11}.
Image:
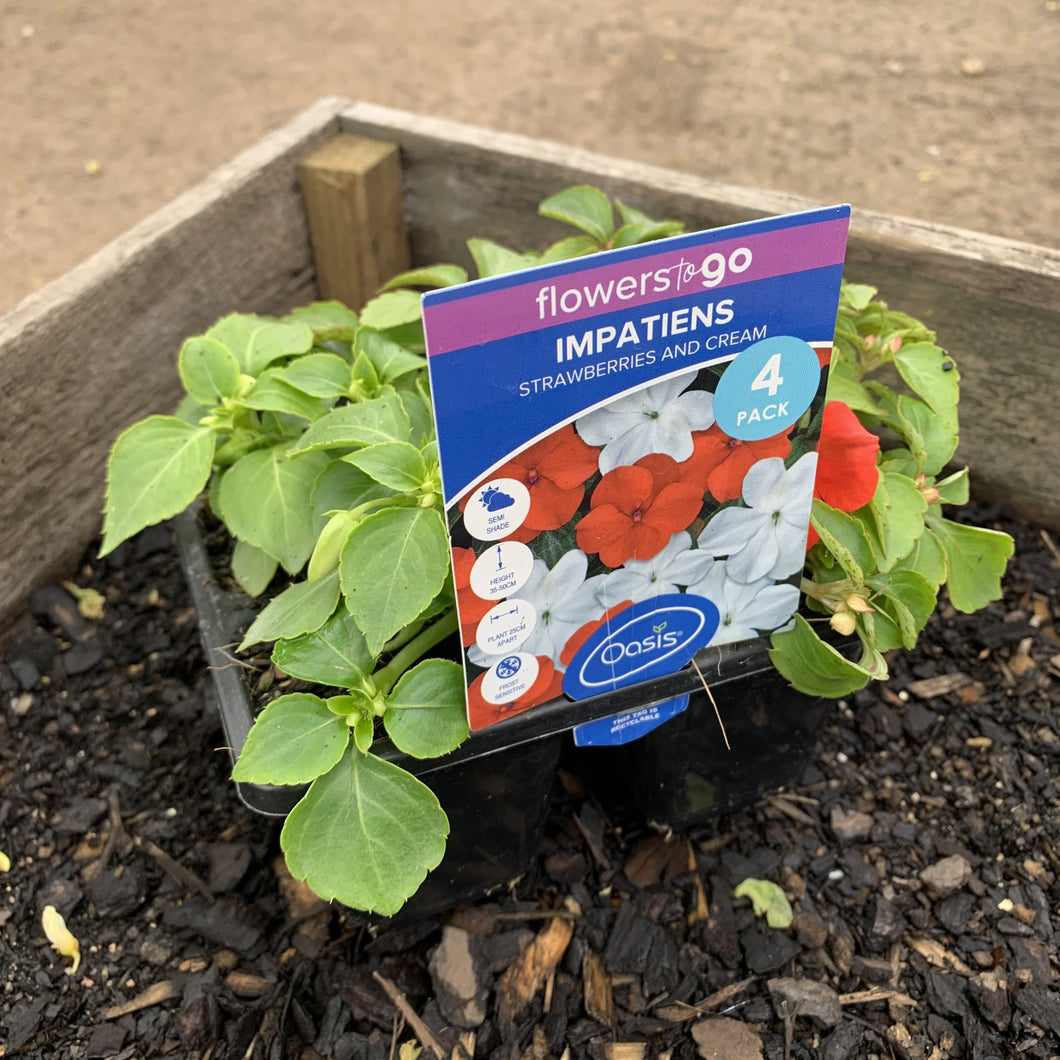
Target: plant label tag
{"x":628,"y":451}
{"x":629,"y":726}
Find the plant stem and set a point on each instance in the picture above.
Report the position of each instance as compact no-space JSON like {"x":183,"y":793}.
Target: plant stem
{"x":387,"y":677}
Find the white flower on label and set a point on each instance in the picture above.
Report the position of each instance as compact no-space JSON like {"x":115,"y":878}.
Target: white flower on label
{"x":563,"y":600}
{"x":747,"y":608}
{"x":59,"y":935}
{"x":641,"y":579}
{"x":768,"y":537}
{"x":657,"y":419}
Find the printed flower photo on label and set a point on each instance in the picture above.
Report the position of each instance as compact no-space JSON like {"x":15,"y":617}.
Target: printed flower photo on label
{"x":641,"y":499}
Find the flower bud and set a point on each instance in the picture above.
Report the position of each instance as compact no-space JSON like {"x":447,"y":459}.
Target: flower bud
{"x":844,"y":622}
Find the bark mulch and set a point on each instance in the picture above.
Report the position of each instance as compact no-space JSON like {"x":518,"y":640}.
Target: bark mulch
{"x":920,"y":853}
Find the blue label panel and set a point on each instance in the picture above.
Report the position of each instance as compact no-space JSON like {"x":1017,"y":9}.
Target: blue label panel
{"x":632,"y":725}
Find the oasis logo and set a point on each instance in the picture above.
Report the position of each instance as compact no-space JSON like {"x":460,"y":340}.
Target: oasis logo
{"x":647,"y":640}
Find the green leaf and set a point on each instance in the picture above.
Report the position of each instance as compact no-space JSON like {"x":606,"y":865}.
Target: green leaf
{"x":301,"y":608}
{"x":333,"y":537}
{"x":908,"y":599}
{"x":235,"y":332}
{"x":294,"y":740}
{"x":275,"y":339}
{"x":928,"y":560}
{"x":572,"y":247}
{"x":389,"y":359}
{"x":768,"y":901}
{"x":322,"y":375}
{"x":923,"y":367}
{"x":813,"y":667}
{"x":156,"y":468}
{"x":975,"y":561}
{"x":366,"y":384}
{"x":341,"y":486}
{"x":190,"y":411}
{"x":844,"y":537}
{"x":329,"y":321}
{"x":898,"y":510}
{"x":584,"y":207}
{"x":429,"y":276}
{"x":409,"y":336}
{"x":954,"y":488}
{"x":392,"y":567}
{"x":420,"y":415}
{"x":426,"y":712}
{"x":842,"y":388}
{"x":635,"y":232}
{"x":364,"y":732}
{"x":355,"y":701}
{"x":398,"y":465}
{"x":268,"y":501}
{"x":208,"y":370}
{"x":857,"y":295}
{"x":252,"y":567}
{"x":271,"y":393}
{"x":335,"y":655}
{"x":367,"y":834}
{"x":380,"y":420}
{"x":392,"y":309}
{"x":632,"y":216}
{"x":932,"y":440}
{"x":491,"y":259}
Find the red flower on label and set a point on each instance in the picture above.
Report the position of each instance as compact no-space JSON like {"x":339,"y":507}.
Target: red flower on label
{"x":547,"y":686}
{"x":583,"y":633}
{"x":554,"y":471}
{"x":719,"y":463}
{"x":847,"y":475}
{"x":630,"y":517}
{"x":472,"y":608}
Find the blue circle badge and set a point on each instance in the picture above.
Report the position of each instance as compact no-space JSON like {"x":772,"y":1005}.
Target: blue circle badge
{"x":767,"y":388}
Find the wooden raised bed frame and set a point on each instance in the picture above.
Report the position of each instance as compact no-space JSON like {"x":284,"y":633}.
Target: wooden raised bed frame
{"x":96,"y":350}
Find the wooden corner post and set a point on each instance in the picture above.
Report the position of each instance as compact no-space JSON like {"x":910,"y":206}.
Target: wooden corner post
{"x":352,"y":192}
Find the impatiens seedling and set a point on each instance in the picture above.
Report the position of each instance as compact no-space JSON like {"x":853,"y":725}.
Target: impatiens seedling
{"x":312,"y":437}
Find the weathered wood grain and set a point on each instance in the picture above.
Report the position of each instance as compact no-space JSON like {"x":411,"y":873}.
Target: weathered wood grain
{"x":96,"y":350}
{"x":994,"y":302}
{"x":353,"y":200}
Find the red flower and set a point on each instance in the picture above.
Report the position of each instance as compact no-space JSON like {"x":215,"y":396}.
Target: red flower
{"x":583,"y":633}
{"x":547,"y":686}
{"x":554,"y":471}
{"x":630,"y":517}
{"x":719,"y":463}
{"x":471,"y":608}
{"x":847,"y":475}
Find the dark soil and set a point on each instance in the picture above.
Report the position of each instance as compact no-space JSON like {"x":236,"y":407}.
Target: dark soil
{"x":921,"y":853}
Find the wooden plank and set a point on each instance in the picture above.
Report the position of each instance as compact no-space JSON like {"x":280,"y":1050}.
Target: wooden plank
{"x":994,"y":302}
{"x":96,"y":350}
{"x":352,"y":191}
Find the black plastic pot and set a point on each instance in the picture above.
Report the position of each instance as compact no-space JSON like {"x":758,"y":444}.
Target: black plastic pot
{"x":495,"y":787}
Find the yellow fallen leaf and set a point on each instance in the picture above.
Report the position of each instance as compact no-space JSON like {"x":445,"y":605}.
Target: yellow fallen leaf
{"x":60,"y":937}
{"x":5,"y":862}
{"x":768,"y":901}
